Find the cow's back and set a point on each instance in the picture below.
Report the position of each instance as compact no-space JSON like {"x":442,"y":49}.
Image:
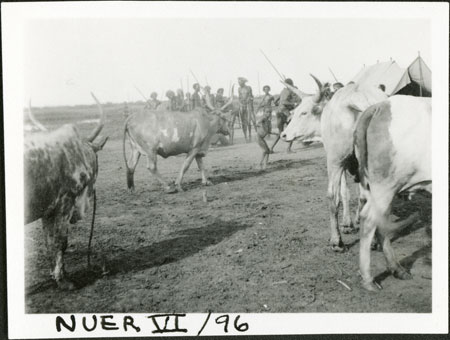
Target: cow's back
{"x":410,"y":132}
{"x":57,"y":166}
{"x":169,"y":133}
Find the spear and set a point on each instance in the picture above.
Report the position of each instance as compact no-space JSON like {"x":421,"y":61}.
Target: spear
{"x":196,"y":80}
{"x":259,"y":86}
{"x":337,"y":81}
{"x":143,"y":96}
{"x":281,"y":76}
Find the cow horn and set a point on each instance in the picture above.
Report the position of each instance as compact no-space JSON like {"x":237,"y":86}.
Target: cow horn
{"x":318,"y":95}
{"x":230,"y":100}
{"x":299,"y":93}
{"x":33,"y":118}
{"x":99,"y":127}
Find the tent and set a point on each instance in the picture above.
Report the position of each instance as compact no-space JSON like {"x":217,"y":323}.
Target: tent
{"x":414,"y":80}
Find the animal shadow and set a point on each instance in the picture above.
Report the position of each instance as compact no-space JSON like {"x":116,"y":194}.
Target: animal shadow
{"x":185,"y":243}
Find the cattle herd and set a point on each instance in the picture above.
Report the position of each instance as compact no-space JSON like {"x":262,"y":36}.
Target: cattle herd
{"x":381,"y":142}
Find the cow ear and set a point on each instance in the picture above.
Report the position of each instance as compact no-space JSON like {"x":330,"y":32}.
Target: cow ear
{"x":97,"y":146}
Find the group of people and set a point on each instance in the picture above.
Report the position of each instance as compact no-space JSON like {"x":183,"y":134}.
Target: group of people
{"x":260,"y":119}
{"x":201,"y":97}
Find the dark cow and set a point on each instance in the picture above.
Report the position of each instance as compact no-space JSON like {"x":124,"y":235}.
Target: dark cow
{"x":168,"y":134}
{"x":60,"y":173}
{"x":334,"y":120}
{"x":393,"y":146}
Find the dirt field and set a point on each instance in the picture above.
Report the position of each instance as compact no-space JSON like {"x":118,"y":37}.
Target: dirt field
{"x":259,"y":244}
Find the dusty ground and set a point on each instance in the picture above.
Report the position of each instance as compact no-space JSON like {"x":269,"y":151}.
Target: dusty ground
{"x":259,"y":244}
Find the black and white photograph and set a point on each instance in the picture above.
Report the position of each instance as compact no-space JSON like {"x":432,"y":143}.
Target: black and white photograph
{"x":183,"y":168}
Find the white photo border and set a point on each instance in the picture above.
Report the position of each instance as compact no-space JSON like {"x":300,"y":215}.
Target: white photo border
{"x":14,"y":19}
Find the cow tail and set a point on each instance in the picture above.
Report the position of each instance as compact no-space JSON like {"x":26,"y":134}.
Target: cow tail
{"x":360,"y":145}
{"x":130,"y":172}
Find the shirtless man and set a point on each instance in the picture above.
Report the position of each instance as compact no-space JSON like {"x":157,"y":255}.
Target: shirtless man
{"x":220,"y":99}
{"x":172,"y":104}
{"x":153,"y":103}
{"x":181,"y":106}
{"x":196,"y":100}
{"x":188,"y":102}
{"x":288,"y":101}
{"x":245,"y":109}
{"x":264,"y":124}
{"x":208,"y":99}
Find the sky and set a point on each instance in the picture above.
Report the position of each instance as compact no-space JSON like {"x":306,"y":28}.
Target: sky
{"x":67,"y":58}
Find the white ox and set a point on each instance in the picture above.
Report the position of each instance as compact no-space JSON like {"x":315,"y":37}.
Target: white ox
{"x":334,"y":120}
{"x":393,"y":147}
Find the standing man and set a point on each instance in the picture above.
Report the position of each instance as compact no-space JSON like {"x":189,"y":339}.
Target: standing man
{"x":153,"y":103}
{"x":188,"y":103}
{"x":264,"y":124}
{"x":208,"y":99}
{"x":220,"y":99}
{"x":245,"y":109}
{"x":172,"y":104}
{"x":196,"y":100}
{"x":180,"y":101}
{"x":287,"y":102}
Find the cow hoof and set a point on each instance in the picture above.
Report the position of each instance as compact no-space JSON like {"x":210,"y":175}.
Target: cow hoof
{"x":371,"y":286}
{"x":338,"y":248}
{"x":402,"y":274}
{"x":171,"y":190}
{"x":271,"y":151}
{"x":349,"y":229}
{"x":65,"y":285}
{"x":375,"y":245}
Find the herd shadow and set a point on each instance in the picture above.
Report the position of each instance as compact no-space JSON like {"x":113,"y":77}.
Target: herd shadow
{"x":232,"y":175}
{"x":186,"y":243}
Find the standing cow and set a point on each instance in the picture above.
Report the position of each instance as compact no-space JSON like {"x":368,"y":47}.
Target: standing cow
{"x":334,"y":120}
{"x":167,"y":134}
{"x":60,"y":173}
{"x":392,"y":143}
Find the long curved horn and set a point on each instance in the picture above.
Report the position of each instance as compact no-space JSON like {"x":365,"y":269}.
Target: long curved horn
{"x":33,"y":118}
{"x":318,"y":95}
{"x":230,"y":100}
{"x":99,"y":127}
{"x":299,"y":93}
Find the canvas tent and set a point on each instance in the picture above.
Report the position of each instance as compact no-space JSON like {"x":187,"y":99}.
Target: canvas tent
{"x":414,"y":80}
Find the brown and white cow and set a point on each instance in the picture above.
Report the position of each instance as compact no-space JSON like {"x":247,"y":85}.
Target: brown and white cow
{"x":334,"y":120}
{"x":60,"y":172}
{"x":153,"y":133}
{"x":393,"y":147}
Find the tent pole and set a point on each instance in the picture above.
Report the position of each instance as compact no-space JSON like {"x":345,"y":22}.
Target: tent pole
{"x":421,"y":76}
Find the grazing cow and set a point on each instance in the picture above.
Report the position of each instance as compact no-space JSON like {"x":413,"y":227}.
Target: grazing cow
{"x":393,"y":146}
{"x":167,"y":134}
{"x":334,"y":120}
{"x":60,"y":173}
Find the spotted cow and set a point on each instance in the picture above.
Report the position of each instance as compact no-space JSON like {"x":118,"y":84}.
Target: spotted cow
{"x":60,"y":169}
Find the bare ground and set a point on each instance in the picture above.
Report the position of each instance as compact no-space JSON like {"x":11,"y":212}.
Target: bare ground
{"x":259,"y":244}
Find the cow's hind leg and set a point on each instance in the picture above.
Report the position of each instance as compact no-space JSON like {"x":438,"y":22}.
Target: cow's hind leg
{"x":186,"y":164}
{"x":152,"y":167}
{"x":367,"y":232}
{"x":201,"y":167}
{"x":347,"y":223}
{"x":334,"y":182}
{"x":132,"y":162}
